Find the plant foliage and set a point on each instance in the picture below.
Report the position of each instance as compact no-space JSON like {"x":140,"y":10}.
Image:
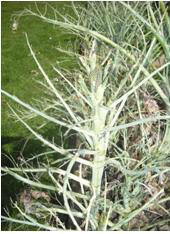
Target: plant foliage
{"x":116,"y":106}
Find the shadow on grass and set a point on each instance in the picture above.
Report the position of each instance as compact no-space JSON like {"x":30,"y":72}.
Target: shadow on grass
{"x":13,"y":150}
{"x":10,"y":187}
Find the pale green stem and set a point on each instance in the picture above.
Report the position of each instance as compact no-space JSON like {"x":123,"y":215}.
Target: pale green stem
{"x":49,"y":118}
{"x":149,"y":77}
{"x":99,"y":36}
{"x":53,"y":170}
{"x":155,"y":32}
{"x":89,"y":210}
{"x":136,"y":212}
{"x":58,"y":209}
{"x":65,"y":192}
{"x":40,"y":185}
{"x":51,"y":84}
{"x":31,"y":224}
{"x":28,"y":181}
{"x":162,"y":5}
{"x":101,"y":145}
{"x":137,"y":122}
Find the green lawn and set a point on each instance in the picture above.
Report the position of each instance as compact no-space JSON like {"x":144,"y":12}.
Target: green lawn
{"x":19,"y":73}
{"x":18,"y":68}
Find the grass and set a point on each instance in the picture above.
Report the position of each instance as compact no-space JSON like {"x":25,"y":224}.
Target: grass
{"x":115,"y":102}
{"x":19,"y":73}
{"x":18,"y":76}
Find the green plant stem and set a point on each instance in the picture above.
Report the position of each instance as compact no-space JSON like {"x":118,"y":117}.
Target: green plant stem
{"x":101,"y":145}
{"x":46,"y":227}
{"x":49,"y":118}
{"x":53,"y":170}
{"x":65,"y":192}
{"x":157,"y":34}
{"x":164,"y":10}
{"x":137,"y":122}
{"x":40,"y":185}
{"x":99,"y":36}
{"x":136,"y":212}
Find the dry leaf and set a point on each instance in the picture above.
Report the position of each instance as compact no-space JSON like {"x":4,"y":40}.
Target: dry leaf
{"x":150,"y":105}
{"x":37,"y":194}
{"x":160,"y":61}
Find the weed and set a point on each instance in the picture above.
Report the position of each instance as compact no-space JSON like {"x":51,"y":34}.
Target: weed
{"x":116,"y":104}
